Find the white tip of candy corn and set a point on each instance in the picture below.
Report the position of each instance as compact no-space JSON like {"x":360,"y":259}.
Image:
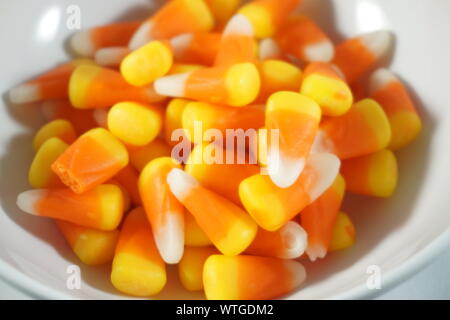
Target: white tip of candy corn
{"x":180,"y":43}
{"x":322,"y":144}
{"x":295,"y":240}
{"x":81,"y":43}
{"x":239,"y":24}
{"x":379,"y":79}
{"x":283,"y":170}
{"x":172,"y":86}
{"x":377,"y":42}
{"x":142,"y":36}
{"x":181,"y":183}
{"x":316,"y":251}
{"x":24,"y":93}
{"x":269,"y":49}
{"x":322,"y":51}
{"x":101,"y":117}
{"x":297,"y":271}
{"x":26,"y":201}
{"x":326,"y":167}
{"x":170,"y":239}
{"x":112,"y":56}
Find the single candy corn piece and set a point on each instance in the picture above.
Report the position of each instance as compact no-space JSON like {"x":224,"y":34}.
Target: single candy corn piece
{"x":358,"y":55}
{"x":194,"y":236}
{"x":59,"y":128}
{"x":235,"y":86}
{"x":41,"y":175}
{"x":94,"y":158}
{"x":196,"y":48}
{"x":289,"y":242}
{"x":220,"y":177}
{"x":148,"y":63}
{"x":100,"y":208}
{"x":178,"y":68}
{"x":237,"y":44}
{"x":219,"y":118}
{"x":137,"y":268}
{"x":128,"y":177}
{"x":318,"y":219}
{"x":174,"y":18}
{"x":50,"y":85}
{"x":373,"y":175}
{"x":190,"y":268}
{"x":82,"y":120}
{"x":359,"y":90}
{"x":269,"y":49}
{"x":301,"y":37}
{"x":364,"y":129}
{"x":164,"y":212}
{"x":271,"y":206}
{"x":222,"y":10}
{"x":395,"y":100}
{"x":277,"y":75}
{"x":343,"y":233}
{"x":322,"y":83}
{"x":173,"y":120}
{"x":111,"y":56}
{"x":125,"y":193}
{"x":92,"y":247}
{"x":296,"y":117}
{"x":135,"y":123}
{"x":94,"y":87}
{"x":140,"y":156}
{"x":87,"y":42}
{"x":268,"y":15}
{"x":228,"y":227}
{"x":250,"y":277}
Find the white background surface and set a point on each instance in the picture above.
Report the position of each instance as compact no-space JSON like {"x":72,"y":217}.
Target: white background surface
{"x":431,"y":283}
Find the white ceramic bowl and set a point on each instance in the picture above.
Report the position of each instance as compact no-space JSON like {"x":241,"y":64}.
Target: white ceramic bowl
{"x":399,"y":235}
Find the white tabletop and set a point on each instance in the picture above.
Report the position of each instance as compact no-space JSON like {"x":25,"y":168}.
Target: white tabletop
{"x":431,"y":283}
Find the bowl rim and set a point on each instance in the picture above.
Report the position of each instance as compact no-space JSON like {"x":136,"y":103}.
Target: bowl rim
{"x":392,"y":278}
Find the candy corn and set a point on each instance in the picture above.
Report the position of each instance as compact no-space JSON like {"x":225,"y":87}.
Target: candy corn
{"x":41,"y":175}
{"x":343,"y":233}
{"x":364,"y":129}
{"x":128,"y":178}
{"x":249,"y":277}
{"x":318,"y":219}
{"x":100,"y":208}
{"x":222,"y":178}
{"x":322,"y":83}
{"x":289,"y":242}
{"x":146,"y":64}
{"x":271,"y":207}
{"x":174,"y":18}
{"x":374,"y":175}
{"x":296,"y":117}
{"x":194,"y":236}
{"x":50,"y":85}
{"x":87,"y":42}
{"x":303,"y":38}
{"x":59,"y":128}
{"x":236,"y":86}
{"x":135,"y":123}
{"x":269,"y":49}
{"x":358,"y":55}
{"x":173,"y":119}
{"x":94,"y":158}
{"x":267,"y":15}
{"x":164,"y":212}
{"x":196,"y":48}
{"x":190,"y":268}
{"x":226,"y":225}
{"x":137,"y":268}
{"x":94,"y":87}
{"x":222,"y":10}
{"x":92,"y":247}
{"x":140,"y":156}
{"x":111,"y":56}
{"x":393,"y":97}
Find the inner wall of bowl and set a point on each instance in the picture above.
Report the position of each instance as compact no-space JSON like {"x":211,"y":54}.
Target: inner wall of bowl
{"x":388,"y":231}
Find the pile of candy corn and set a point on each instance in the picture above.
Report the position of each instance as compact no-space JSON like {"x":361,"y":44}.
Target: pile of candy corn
{"x":105,"y":169}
